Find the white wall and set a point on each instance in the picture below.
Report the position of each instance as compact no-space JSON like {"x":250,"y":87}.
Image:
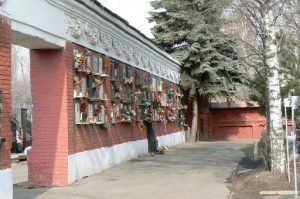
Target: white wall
{"x":6,"y":184}
{"x":94,"y":161}
{"x":171,"y":139}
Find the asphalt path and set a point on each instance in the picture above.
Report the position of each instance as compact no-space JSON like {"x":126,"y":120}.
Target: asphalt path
{"x":199,"y":170}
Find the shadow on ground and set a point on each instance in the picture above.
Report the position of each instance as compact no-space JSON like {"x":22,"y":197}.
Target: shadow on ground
{"x":31,"y":192}
{"x":250,"y":178}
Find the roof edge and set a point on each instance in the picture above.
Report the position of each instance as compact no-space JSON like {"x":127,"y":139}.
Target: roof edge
{"x":154,"y":47}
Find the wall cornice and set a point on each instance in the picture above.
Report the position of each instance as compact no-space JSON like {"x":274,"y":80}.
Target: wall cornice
{"x":106,"y":33}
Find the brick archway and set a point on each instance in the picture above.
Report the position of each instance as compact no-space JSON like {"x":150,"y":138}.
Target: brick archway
{"x":50,"y":151}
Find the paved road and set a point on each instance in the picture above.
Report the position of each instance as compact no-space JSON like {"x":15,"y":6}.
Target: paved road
{"x":20,"y":172}
{"x":187,"y":171}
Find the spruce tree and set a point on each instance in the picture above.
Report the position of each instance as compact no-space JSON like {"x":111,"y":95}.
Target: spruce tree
{"x":290,"y":62}
{"x":190,"y":30}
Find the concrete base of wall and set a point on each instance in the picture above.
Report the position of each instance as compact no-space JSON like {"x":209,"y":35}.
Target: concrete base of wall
{"x":87,"y":163}
{"x":171,"y":139}
{"x":6,"y":184}
{"x":90,"y":162}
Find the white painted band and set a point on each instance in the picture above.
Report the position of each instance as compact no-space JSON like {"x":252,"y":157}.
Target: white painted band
{"x":171,"y":139}
{"x":90,"y":162}
{"x":6,"y":184}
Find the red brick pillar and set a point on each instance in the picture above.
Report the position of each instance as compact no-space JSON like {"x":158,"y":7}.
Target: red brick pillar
{"x":48,"y":158}
{"x":108,"y":105}
{"x":6,"y":184}
{"x":5,"y":85}
{"x":70,"y":96}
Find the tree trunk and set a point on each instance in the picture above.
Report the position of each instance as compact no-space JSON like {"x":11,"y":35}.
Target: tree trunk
{"x":194,"y":128}
{"x":273,"y":85}
{"x":267,"y":106}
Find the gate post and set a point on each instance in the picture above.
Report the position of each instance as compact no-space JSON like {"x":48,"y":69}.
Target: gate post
{"x":6,"y":188}
{"x":48,"y":158}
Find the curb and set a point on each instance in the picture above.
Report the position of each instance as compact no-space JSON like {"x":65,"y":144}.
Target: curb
{"x":282,"y":192}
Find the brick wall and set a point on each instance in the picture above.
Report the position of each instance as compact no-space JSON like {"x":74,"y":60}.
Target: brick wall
{"x":236,"y":123}
{"x":227,"y":123}
{"x":87,"y":137}
{"x":5,"y":85}
{"x":48,"y":159}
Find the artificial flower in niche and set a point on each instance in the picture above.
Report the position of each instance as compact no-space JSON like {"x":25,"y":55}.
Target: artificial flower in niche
{"x":96,"y":83}
{"x":83,"y":107}
{"x":157,"y":96}
{"x":156,"y":103}
{"x":77,"y":58}
{"x":77,"y":84}
{"x":171,"y":116}
{"x":138,"y":93}
{"x":128,"y":80}
{"x":98,"y":109}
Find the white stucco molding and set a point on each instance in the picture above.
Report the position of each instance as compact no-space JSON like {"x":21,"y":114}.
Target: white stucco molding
{"x":35,"y":37}
{"x":91,"y":26}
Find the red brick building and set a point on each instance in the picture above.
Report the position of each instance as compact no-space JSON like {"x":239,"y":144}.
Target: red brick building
{"x":235,"y":121}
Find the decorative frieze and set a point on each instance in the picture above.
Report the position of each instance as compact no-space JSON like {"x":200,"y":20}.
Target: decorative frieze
{"x":106,"y":41}
{"x":95,"y":36}
{"x":75,"y":27}
{"x":92,"y":34}
{"x":128,"y":52}
{"x":144,"y":60}
{"x":118,"y":46}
